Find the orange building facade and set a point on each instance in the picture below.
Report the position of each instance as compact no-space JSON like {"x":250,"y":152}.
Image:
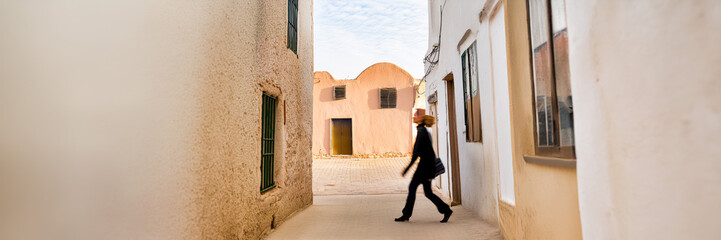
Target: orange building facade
{"x":366,"y":116}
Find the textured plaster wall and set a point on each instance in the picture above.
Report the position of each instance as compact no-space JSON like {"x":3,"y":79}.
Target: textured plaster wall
{"x":375,"y":130}
{"x":141,"y":119}
{"x":231,"y":154}
{"x":648,"y":117}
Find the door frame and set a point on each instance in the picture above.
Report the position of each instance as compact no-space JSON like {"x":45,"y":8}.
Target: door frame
{"x":453,"y":139}
{"x":435,"y":138}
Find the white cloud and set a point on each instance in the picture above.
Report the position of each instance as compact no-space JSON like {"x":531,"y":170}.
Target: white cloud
{"x":351,"y":35}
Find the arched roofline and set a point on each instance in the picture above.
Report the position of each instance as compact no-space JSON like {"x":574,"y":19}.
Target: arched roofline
{"x":384,"y":64}
{"x":322,"y":74}
{"x":371,"y":67}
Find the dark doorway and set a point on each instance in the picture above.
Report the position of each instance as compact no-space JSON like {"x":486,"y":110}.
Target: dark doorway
{"x":342,"y":136}
{"x":453,"y":138}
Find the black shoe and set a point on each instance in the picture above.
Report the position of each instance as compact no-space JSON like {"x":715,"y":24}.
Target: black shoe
{"x":402,"y":219}
{"x":446,"y":216}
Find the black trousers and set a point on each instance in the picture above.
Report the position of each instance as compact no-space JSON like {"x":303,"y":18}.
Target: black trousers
{"x":411,"y":199}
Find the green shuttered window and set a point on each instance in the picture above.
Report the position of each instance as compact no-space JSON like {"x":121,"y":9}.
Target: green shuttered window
{"x":267,"y":152}
{"x":293,"y":25}
{"x":471,"y":98}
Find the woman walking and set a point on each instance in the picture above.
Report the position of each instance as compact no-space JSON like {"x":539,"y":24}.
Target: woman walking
{"x":425,"y":172}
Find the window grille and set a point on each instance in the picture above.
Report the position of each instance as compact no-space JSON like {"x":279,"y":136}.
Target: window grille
{"x":267,"y":151}
{"x":388,"y":97}
{"x":293,"y":25}
{"x":338,"y":92}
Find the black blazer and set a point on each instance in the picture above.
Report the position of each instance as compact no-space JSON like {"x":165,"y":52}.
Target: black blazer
{"x":423,"y":149}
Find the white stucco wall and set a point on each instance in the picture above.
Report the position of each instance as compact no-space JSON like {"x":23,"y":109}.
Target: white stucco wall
{"x":502,"y":104}
{"x":478,"y":164}
{"x":647,"y":96}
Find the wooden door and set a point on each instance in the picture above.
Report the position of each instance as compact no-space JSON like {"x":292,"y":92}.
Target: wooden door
{"x":342,"y":136}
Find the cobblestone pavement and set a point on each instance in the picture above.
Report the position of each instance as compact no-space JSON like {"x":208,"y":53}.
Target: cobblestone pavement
{"x":353,"y":176}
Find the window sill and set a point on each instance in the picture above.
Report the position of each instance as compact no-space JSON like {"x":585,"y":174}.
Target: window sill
{"x":551,"y":161}
{"x":267,"y":189}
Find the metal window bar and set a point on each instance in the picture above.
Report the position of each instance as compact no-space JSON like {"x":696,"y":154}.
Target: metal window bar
{"x":267,"y":143}
{"x":292,"y":41}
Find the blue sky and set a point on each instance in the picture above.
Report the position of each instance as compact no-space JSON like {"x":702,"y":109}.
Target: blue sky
{"x":350,"y":35}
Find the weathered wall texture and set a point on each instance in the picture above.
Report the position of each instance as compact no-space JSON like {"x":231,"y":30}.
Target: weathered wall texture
{"x":648,"y":117}
{"x":141,"y":119}
{"x":375,"y":130}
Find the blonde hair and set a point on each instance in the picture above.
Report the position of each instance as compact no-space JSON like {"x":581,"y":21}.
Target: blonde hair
{"x":429,"y":120}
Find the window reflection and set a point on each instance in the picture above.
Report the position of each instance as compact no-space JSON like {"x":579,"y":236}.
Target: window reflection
{"x":542,"y":77}
{"x":551,"y":77}
{"x":563,"y":81}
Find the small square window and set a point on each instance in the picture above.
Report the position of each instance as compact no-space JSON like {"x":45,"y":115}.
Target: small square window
{"x":338,"y":92}
{"x":388,"y":97}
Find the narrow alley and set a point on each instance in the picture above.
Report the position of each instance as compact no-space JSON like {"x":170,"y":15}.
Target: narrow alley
{"x":295,"y":119}
{"x":358,"y":199}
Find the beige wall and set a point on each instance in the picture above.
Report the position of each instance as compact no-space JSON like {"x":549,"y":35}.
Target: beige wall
{"x":647,"y":98}
{"x":375,"y":130}
{"x":141,"y":119}
{"x":546,"y":196}
{"x":645,"y":83}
